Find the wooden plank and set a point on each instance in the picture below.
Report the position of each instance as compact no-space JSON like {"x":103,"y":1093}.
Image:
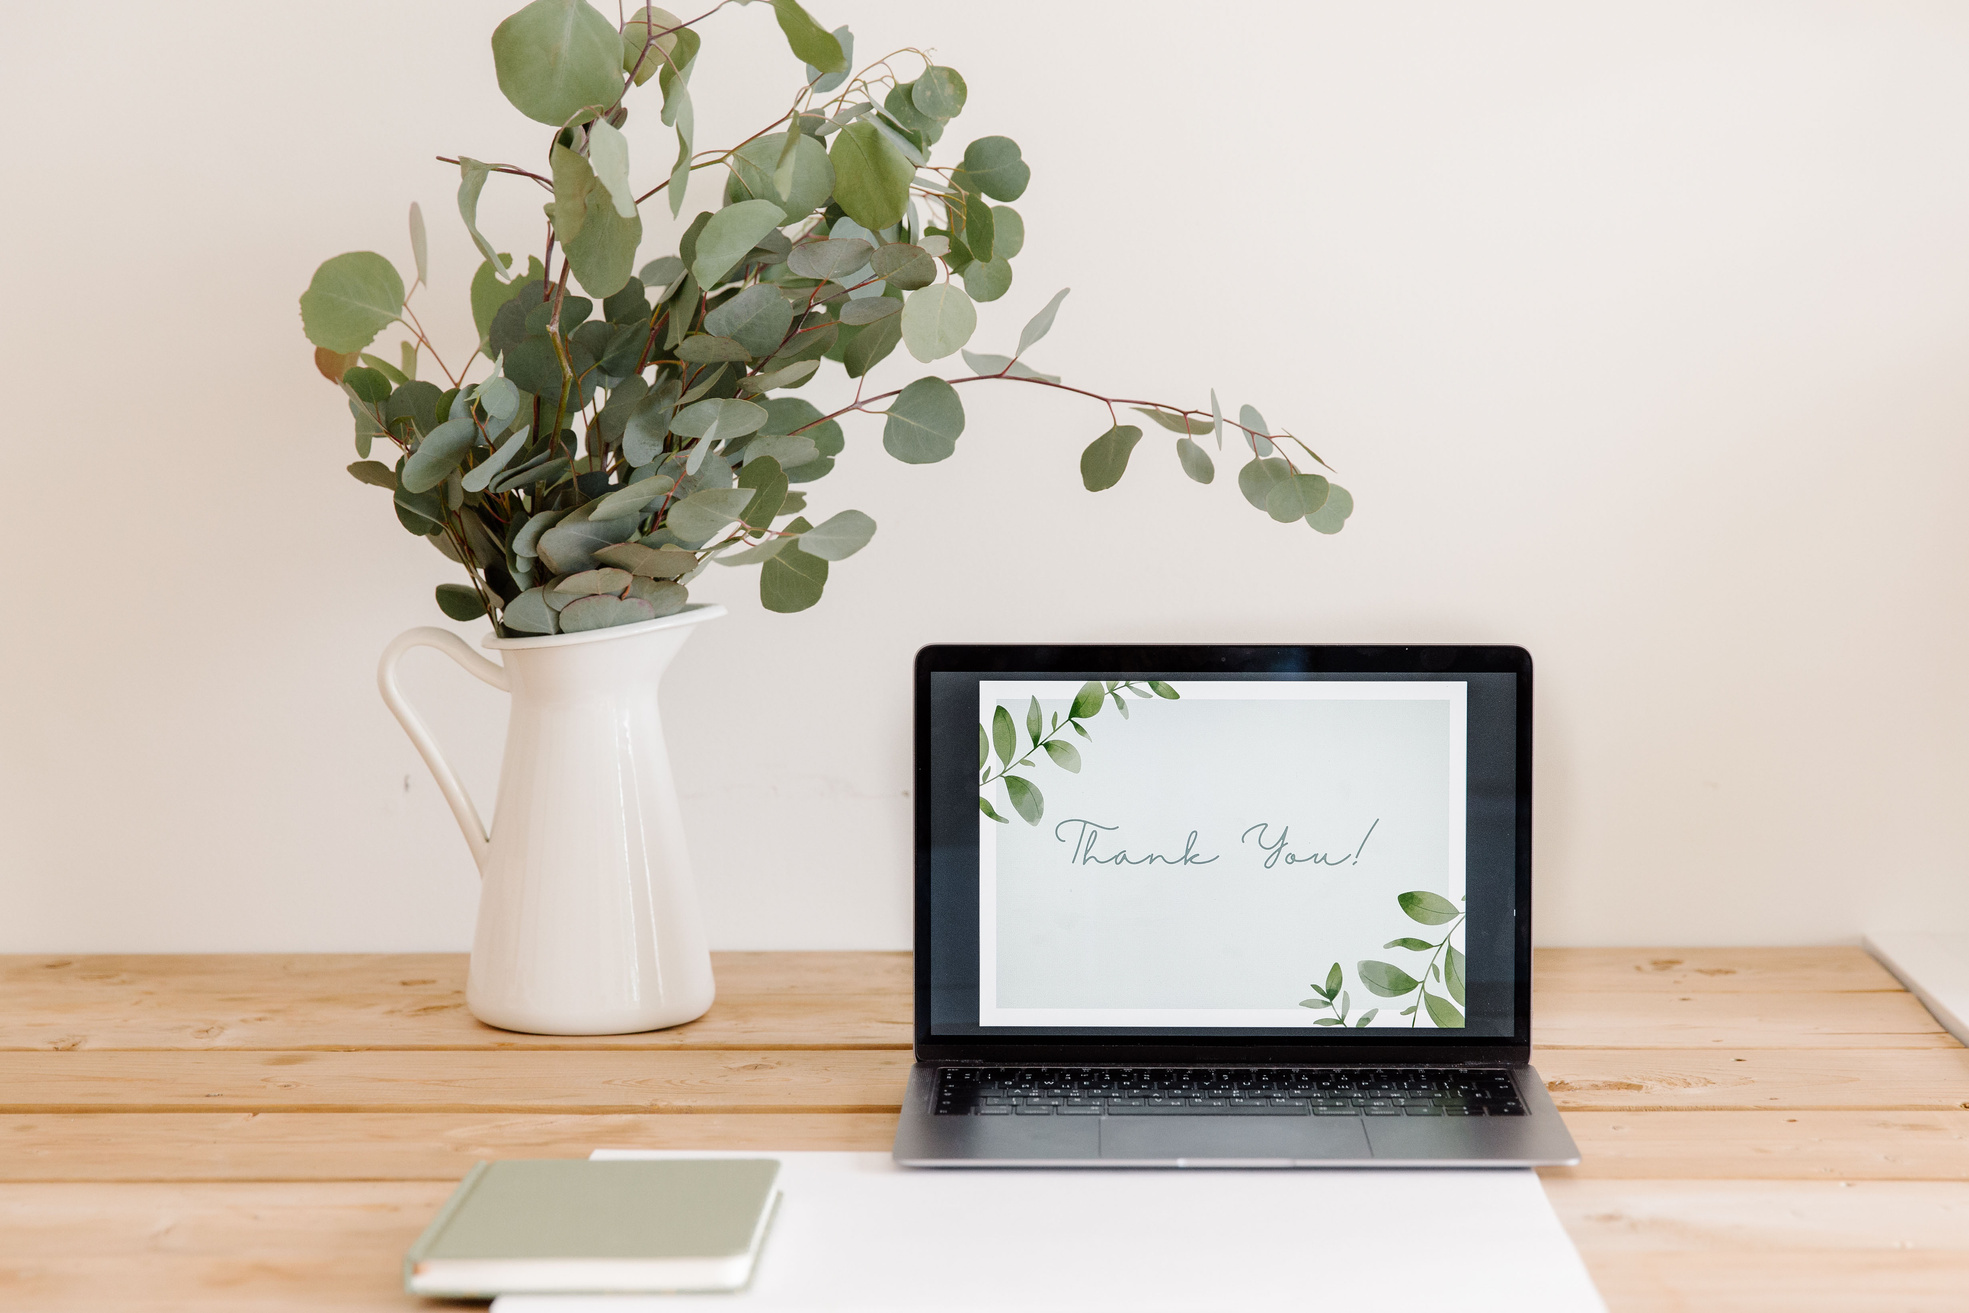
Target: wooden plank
{"x":417,"y":1000}
{"x":1709,"y":970}
{"x":1771,"y":1245}
{"x":371,"y":1146}
{"x":204,"y":1248}
{"x":1839,"y":1281}
{"x":1802,"y":1145}
{"x":1743,"y":1020}
{"x":1632,"y":1079}
{"x":684,"y":1081}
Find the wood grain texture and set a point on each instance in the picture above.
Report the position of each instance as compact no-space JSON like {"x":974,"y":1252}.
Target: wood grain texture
{"x":1708,"y":970}
{"x":1793,"y":1145}
{"x":1771,"y":1245}
{"x":1762,"y":1128}
{"x":1734,"y":1020}
{"x":394,"y":1081}
{"x":417,"y":1001}
{"x":383,"y":1146}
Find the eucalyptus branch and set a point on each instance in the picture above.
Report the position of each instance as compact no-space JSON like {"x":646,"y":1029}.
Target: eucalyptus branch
{"x":516,"y":171}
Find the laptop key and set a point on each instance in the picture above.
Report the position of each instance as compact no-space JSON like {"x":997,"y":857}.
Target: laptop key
{"x":1035,"y":1110}
{"x":994,"y":1110}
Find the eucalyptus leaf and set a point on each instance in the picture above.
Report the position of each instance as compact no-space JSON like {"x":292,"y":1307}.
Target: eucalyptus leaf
{"x":871,"y":177}
{"x":439,"y":454}
{"x":608,"y":156}
{"x":719,"y":419}
{"x":707,"y":349}
{"x":815,"y":45}
{"x":1196,"y":461}
{"x":375,"y":473}
{"x":649,"y":562}
{"x":1332,"y":515}
{"x":758,"y":319}
{"x":903,"y":266}
{"x":990,"y":365}
{"x":1428,"y":908}
{"x":987,"y":280}
{"x":570,"y":546}
{"x":529,"y":613}
{"x":1296,"y":497}
{"x":994,"y":166}
{"x":767,"y":482}
{"x":702,"y":515}
{"x":460,"y":602}
{"x":729,"y":236}
{"x":648,"y":39}
{"x":826,"y":258}
{"x":606,"y":579}
{"x":937,"y":321}
{"x":1010,"y":230}
{"x":527,"y":541}
{"x":871,"y":345}
{"x":924,"y":422}
{"x":839,"y":536}
{"x":350,"y":300}
{"x":823,"y":81}
{"x":940,"y":92}
{"x":633,"y":498}
{"x":1106,"y":457}
{"x":1175,"y":423}
{"x":587,"y":613}
{"x":790,"y":376}
{"x":792,"y":580}
{"x":665,"y":596}
{"x":868,"y":309}
{"x":798,"y":184}
{"x":557,"y":57}
{"x":420,"y":248}
{"x":472,"y":176}
{"x":978,"y":229}
{"x":1250,"y":419}
{"x":1259,"y":476}
{"x":1042,"y":323}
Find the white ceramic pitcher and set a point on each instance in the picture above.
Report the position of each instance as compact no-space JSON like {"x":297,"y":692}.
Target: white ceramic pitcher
{"x":588,"y":920}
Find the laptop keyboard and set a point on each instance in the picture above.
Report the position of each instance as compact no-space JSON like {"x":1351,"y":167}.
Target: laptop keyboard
{"x":1226,"y":1092}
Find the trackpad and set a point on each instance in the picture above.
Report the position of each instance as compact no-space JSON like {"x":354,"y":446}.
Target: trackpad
{"x":1228,"y":1139}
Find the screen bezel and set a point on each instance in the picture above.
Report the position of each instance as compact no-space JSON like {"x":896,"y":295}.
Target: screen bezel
{"x":1127,"y":659}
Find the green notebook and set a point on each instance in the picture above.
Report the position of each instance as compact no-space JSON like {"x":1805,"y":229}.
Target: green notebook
{"x":545,"y":1225}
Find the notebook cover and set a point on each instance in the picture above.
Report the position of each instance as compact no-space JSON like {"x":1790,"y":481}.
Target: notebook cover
{"x":526,"y":1209}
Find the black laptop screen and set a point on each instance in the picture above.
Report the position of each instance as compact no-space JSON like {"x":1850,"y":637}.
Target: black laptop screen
{"x":1255,"y":851}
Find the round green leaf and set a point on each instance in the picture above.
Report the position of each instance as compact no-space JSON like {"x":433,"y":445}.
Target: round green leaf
{"x":940,"y":92}
{"x":924,"y":422}
{"x":1106,"y":460}
{"x":460,"y":602}
{"x":814,"y":44}
{"x":871,"y":178}
{"x":529,"y":613}
{"x":1259,"y":476}
{"x":557,"y":57}
{"x":1010,"y":231}
{"x":937,"y":321}
{"x":839,"y":536}
{"x":792,"y":580}
{"x":756,"y":162}
{"x":1196,"y":461}
{"x":826,"y":258}
{"x":867,"y":309}
{"x":718,"y":419}
{"x":651,"y":27}
{"x":994,"y":166}
{"x":757,"y":319}
{"x":1441,"y":1011}
{"x":904,"y":267}
{"x":1332,"y":515}
{"x":350,"y":300}
{"x":987,"y":280}
{"x":1428,"y":908}
{"x":1387,"y":979}
{"x":1296,"y":497}
{"x":729,"y":236}
{"x":604,"y":613}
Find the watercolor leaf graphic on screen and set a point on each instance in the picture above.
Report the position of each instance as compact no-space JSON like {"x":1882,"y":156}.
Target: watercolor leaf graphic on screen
{"x":1333,"y":995}
{"x":1042,"y":736}
{"x":1445,"y":963}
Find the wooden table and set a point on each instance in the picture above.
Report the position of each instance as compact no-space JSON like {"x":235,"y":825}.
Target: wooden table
{"x":1764,"y":1128}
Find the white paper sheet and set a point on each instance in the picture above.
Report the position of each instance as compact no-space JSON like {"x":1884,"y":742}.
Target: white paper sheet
{"x":855,"y":1231}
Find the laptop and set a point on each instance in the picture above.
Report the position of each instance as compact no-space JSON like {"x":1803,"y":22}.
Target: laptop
{"x":1188,"y":906}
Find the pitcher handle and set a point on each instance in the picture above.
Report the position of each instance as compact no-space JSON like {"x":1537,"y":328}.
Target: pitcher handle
{"x":386,"y":680}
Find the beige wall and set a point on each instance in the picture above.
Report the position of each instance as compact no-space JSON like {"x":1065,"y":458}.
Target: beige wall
{"x":1639,"y":332}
